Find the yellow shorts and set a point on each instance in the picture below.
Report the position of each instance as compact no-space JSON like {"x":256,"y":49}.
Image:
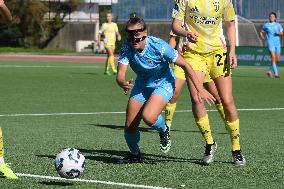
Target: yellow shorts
{"x":110,"y":46}
{"x":212,"y":64}
{"x":179,"y":73}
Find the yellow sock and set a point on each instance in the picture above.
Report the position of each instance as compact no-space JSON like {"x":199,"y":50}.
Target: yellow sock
{"x":169,"y":113}
{"x":204,"y":127}
{"x":1,"y":144}
{"x":107,"y":64}
{"x":234,"y":131}
{"x":112,"y":64}
{"x":220,"y":109}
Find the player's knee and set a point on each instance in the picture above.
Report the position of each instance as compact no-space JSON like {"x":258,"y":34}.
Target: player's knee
{"x":228,"y":101}
{"x":148,"y":118}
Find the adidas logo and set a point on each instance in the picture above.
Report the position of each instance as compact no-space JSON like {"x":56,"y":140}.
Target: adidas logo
{"x":194,"y":9}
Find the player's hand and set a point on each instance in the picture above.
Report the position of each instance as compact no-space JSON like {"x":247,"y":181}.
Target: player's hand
{"x":2,"y":3}
{"x":233,"y":60}
{"x":119,"y":38}
{"x":127,"y":85}
{"x":205,"y":95}
{"x":192,"y":37}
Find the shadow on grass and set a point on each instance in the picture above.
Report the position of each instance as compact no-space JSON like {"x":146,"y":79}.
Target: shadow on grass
{"x":55,"y":183}
{"x":142,"y":129}
{"x":113,"y":156}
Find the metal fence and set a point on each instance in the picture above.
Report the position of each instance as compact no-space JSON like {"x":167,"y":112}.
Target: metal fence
{"x":161,"y":9}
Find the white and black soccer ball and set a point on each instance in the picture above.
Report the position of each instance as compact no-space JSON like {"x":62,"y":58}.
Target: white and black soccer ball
{"x":70,"y":163}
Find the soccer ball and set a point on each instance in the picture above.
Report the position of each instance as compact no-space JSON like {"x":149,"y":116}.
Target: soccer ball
{"x":70,"y":163}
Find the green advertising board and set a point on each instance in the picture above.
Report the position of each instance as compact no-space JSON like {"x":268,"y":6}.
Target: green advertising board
{"x":255,"y":56}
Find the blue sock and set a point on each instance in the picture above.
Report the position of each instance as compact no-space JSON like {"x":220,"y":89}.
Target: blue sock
{"x":275,"y":70}
{"x":270,"y":69}
{"x":132,"y":140}
{"x":160,"y":124}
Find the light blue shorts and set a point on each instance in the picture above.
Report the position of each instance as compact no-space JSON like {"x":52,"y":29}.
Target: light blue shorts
{"x":274,"y":47}
{"x":142,"y":93}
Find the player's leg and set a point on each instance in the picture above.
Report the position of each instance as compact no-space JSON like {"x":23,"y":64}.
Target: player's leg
{"x":107,"y":64}
{"x":199,"y":64}
{"x":111,"y":59}
{"x":277,"y":59}
{"x":224,"y":86}
{"x":274,"y":56}
{"x":152,"y":113}
{"x":5,"y":169}
{"x":202,"y":121}
{"x":171,"y":106}
{"x":211,"y":88}
{"x":131,"y":131}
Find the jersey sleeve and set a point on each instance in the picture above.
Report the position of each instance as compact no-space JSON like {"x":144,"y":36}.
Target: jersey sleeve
{"x":102,"y":28}
{"x":179,"y":9}
{"x":229,"y":12}
{"x":123,"y":55}
{"x":167,"y":52}
{"x":280,"y":27}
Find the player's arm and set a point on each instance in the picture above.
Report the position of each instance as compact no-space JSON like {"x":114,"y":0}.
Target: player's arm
{"x":203,"y":94}
{"x":231,"y":32}
{"x":180,"y":31}
{"x":5,"y":13}
{"x":126,"y":85}
{"x":118,"y":36}
{"x":262,"y":35}
{"x":280,"y":33}
{"x":173,"y":41}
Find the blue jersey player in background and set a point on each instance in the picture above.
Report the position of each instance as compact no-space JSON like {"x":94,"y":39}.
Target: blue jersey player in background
{"x":149,"y":58}
{"x":273,"y":30}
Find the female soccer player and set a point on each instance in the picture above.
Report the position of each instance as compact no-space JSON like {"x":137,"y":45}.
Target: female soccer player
{"x":111,"y":33}
{"x":273,"y":30}
{"x":5,"y":169}
{"x":180,"y":43}
{"x":207,"y":55}
{"x":149,"y":58}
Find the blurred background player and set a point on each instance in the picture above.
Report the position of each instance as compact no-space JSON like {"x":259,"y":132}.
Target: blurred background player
{"x":111,"y":33}
{"x":272,"y":31}
{"x":181,"y":43}
{"x":149,"y":58}
{"x":207,"y":55}
{"x":5,"y":169}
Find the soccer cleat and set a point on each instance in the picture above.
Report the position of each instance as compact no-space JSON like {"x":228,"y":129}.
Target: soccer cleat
{"x":131,"y":158}
{"x":269,"y":74}
{"x":277,"y":76}
{"x":238,"y":158}
{"x":210,"y":150}
{"x":107,"y":73}
{"x":7,"y":172}
{"x":165,"y":140}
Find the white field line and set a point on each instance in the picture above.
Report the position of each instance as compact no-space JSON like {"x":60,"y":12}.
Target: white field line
{"x":90,"y":181}
{"x":99,"y":113}
{"x":43,"y":66}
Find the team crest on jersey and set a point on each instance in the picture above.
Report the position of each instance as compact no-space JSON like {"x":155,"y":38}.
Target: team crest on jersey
{"x":217,"y":5}
{"x":150,"y":61}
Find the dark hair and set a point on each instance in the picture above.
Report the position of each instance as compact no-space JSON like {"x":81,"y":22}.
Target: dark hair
{"x":273,"y":13}
{"x":135,"y":20}
{"x":132,"y":15}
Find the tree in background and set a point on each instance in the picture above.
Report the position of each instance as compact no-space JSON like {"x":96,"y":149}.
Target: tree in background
{"x":29,"y":27}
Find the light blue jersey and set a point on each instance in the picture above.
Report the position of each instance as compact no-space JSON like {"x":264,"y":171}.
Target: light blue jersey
{"x":154,"y":74}
{"x":273,"y":40}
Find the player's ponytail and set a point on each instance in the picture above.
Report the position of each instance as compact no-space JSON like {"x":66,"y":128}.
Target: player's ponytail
{"x":135,"y":20}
